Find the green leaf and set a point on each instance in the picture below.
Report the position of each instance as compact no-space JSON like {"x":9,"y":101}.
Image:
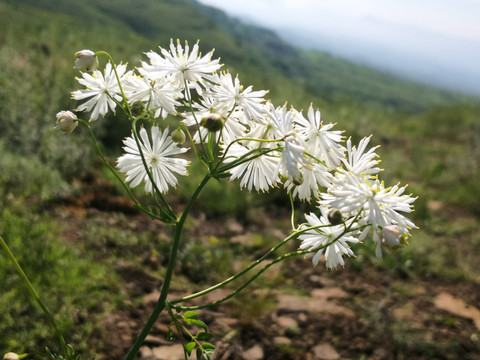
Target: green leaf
{"x":170,"y":334}
{"x":199,"y":353}
{"x":190,"y":315}
{"x":208,"y":346}
{"x":200,"y":323}
{"x":189,"y":347}
{"x":203,"y":336}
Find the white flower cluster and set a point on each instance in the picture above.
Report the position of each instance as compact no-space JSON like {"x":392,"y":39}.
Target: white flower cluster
{"x":261,"y":145}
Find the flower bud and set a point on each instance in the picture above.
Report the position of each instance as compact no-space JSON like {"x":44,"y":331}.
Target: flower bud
{"x":67,"y":121}
{"x":213,"y":122}
{"x":335,"y":217}
{"x":86,"y":60}
{"x":10,"y":356}
{"x":178,"y":136}
{"x":393,"y":238}
{"x":137,"y":108}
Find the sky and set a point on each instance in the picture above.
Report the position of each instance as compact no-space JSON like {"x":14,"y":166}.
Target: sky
{"x":433,"y":41}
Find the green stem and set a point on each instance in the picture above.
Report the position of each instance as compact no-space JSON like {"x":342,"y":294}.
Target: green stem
{"x":35,"y":295}
{"x":160,"y":305}
{"x":114,"y":172}
{"x":127,"y":107}
{"x":232,"y":278}
{"x":155,"y":190}
{"x":245,"y":270}
{"x":246,"y":283}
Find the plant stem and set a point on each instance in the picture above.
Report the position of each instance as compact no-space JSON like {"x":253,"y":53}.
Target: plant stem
{"x":246,"y":283}
{"x":114,"y":172}
{"x":294,"y":234}
{"x":35,"y":295}
{"x":160,"y":305}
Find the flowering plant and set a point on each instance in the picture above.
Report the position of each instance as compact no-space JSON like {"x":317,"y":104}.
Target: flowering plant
{"x":236,"y":134}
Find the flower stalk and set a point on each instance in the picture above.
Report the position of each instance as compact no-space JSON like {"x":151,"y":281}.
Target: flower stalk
{"x":35,"y":296}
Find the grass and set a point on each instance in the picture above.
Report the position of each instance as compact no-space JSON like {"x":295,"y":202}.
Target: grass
{"x":62,"y":274}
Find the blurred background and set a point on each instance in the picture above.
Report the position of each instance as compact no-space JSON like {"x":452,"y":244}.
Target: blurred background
{"x":406,"y":72}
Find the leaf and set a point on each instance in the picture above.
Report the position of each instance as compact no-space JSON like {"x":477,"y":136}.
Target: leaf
{"x":199,"y":353}
{"x":189,"y":347}
{"x":208,"y":346}
{"x":170,"y":334}
{"x":203,"y":336}
{"x":190,"y":315}
{"x":200,"y":323}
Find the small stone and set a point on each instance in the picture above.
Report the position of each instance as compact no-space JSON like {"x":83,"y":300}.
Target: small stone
{"x":154,"y":340}
{"x":325,"y":352}
{"x":171,"y":352}
{"x":234,"y":226}
{"x":254,"y":353}
{"x":282,"y":341}
{"x":458,"y":307}
{"x":286,"y":322}
{"x":146,"y":353}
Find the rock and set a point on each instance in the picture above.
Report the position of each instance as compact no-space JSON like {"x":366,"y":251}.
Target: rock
{"x":325,"y":352}
{"x":311,"y":305}
{"x":234,"y":226}
{"x":456,"y":306}
{"x":146,"y":353}
{"x":151,"y":298}
{"x":171,"y":352}
{"x":254,"y":353}
{"x":155,"y":340}
{"x":226,"y":323}
{"x":282,"y":341}
{"x":286,"y":322}
{"x":329,"y":293}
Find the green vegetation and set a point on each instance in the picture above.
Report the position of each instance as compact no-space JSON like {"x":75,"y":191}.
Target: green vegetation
{"x":430,"y":139}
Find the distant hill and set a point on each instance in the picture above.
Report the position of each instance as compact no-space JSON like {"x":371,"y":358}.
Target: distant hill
{"x":258,"y":55}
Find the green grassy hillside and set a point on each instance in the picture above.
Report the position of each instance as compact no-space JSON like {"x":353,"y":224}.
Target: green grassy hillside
{"x":256,"y":53}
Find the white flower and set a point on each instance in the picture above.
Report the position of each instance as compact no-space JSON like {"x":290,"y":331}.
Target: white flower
{"x":360,"y":162}
{"x":232,"y":126}
{"x":229,"y":93}
{"x":322,"y":142}
{"x":101,"y":88}
{"x":86,"y":60}
{"x":159,"y":95}
{"x":158,"y":158}
{"x":313,"y":175}
{"x":293,"y":146}
{"x":259,"y":172}
{"x":291,"y":159}
{"x":329,"y":239}
{"x":282,"y":120}
{"x":378,"y":206}
{"x":181,"y":63}
{"x":67,"y":121}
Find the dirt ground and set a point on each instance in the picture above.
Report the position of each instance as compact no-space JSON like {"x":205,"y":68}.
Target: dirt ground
{"x":361,"y":312}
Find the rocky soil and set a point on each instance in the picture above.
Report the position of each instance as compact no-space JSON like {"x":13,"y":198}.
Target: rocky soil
{"x":359,"y":312}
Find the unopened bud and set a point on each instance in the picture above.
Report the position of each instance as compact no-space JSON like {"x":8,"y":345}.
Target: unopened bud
{"x":86,"y":60}
{"x":137,"y":108}
{"x":213,"y":122}
{"x":393,"y":238}
{"x":178,"y":136}
{"x":11,"y":356}
{"x":67,"y":121}
{"x":335,"y":217}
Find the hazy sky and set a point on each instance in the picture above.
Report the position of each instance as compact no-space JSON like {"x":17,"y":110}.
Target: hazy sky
{"x":433,"y":40}
{"x":457,"y":18}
